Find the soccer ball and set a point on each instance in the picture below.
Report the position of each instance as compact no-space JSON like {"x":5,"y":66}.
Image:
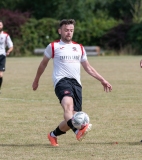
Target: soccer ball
{"x":80,"y":119}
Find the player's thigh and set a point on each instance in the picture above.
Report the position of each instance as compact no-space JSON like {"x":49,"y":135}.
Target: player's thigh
{"x":1,"y":73}
{"x":67,"y":103}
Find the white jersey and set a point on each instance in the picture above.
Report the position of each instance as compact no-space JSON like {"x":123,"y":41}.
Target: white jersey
{"x":5,"y":41}
{"x":66,"y":59}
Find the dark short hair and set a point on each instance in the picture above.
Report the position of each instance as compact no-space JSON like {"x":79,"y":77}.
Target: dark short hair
{"x":66,"y":21}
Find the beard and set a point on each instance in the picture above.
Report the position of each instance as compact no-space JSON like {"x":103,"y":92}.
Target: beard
{"x":66,"y":39}
{"x":1,"y":29}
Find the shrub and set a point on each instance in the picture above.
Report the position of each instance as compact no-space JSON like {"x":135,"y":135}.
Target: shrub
{"x":13,"y":20}
{"x":38,"y":33}
{"x":124,"y":39}
{"x":90,"y":32}
{"x":135,"y":37}
{"x":117,"y":38}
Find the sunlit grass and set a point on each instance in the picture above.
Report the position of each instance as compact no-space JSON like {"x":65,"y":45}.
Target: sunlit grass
{"x":27,"y":116}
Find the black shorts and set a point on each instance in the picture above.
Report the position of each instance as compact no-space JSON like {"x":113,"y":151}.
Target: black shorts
{"x":70,"y":87}
{"x":2,"y":62}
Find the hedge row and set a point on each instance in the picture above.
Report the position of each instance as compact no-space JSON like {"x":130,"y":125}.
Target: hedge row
{"x":39,"y":33}
{"x":28,"y":33}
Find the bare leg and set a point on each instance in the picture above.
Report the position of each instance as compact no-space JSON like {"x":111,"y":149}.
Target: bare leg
{"x":67,"y":104}
{"x":1,"y":78}
{"x":63,"y":126}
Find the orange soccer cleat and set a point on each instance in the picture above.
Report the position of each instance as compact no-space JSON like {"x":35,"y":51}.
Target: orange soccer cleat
{"x":53,"y":140}
{"x":82,"y":132}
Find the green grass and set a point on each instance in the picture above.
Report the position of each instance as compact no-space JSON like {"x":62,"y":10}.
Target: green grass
{"x":26,"y":116}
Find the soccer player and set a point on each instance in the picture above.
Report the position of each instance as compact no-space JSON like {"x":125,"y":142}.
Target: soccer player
{"x":67,"y":56}
{"x":141,"y":63}
{"x":5,"y":41}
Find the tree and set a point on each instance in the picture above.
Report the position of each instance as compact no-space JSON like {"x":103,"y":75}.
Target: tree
{"x":13,"y":20}
{"x":9,"y":4}
{"x":136,"y":11}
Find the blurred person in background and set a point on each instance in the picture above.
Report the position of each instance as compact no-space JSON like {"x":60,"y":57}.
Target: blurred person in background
{"x":5,"y":41}
{"x":141,"y":67}
{"x":141,"y":63}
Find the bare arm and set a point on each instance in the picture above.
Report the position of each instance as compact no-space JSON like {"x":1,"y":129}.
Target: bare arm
{"x":9,"y":50}
{"x":91,"y":71}
{"x":40,"y":70}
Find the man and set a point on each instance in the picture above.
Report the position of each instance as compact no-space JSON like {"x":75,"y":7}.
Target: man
{"x":5,"y":41}
{"x":67,"y":56}
{"x":141,"y":63}
{"x":141,"y":67}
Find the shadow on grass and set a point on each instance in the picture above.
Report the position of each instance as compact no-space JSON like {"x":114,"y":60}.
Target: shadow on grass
{"x":117,"y":142}
{"x":49,"y":146}
{"x":26,"y":145}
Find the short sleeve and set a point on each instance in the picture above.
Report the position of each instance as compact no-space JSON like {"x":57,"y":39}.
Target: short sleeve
{"x":84,"y":56}
{"x":9,"y":42}
{"x":48,"y":51}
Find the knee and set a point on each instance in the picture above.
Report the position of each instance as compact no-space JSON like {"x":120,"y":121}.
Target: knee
{"x":67,"y":104}
{"x":69,"y":109}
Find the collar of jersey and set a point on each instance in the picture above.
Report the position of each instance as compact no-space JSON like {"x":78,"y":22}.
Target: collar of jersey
{"x":65,"y":43}
{"x":1,"y":32}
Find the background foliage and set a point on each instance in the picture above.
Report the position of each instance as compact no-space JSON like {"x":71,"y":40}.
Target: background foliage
{"x":114,"y":25}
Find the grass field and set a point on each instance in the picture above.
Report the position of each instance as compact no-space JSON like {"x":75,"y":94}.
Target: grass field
{"x":26,"y":116}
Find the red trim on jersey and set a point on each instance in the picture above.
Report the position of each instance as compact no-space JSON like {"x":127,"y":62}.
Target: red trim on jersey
{"x":5,"y":33}
{"x":74,"y":42}
{"x":56,"y":41}
{"x":52,"y":46}
{"x":81,"y":48}
{"x":6,"y":39}
{"x":6,"y":36}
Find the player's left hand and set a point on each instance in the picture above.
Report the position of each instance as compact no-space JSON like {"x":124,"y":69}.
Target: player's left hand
{"x":107,"y":86}
{"x":35,"y":85}
{"x":7,"y":53}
